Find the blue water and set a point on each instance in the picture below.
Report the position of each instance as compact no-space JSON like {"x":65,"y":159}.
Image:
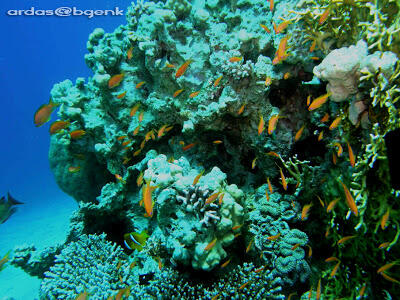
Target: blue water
{"x":35,"y":53}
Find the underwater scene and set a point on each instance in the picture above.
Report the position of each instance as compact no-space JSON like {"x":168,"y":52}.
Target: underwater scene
{"x":217,"y":149}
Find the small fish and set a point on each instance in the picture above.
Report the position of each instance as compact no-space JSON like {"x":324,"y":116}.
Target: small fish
{"x":283,"y":179}
{"x":74,"y":169}
{"x":334,"y":270}
{"x":189,"y":146}
{"x":290,"y":295}
{"x":274,"y":237}
{"x":268,"y":81}
{"x":286,"y":75}
{"x":385,"y":219}
{"x":176,"y":94}
{"x":295,"y":246}
{"x":76,"y":134}
{"x":332,"y":258}
{"x":160,"y":132}
{"x":169,"y":128}
{"x":270,"y":186}
{"x":57,"y":126}
{"x":335,"y":123}
{"x":211,"y":198}
{"x":134,"y":110}
{"x":266,"y":195}
{"x":259,"y":269}
{"x":334,"y":158}
{"x":136,"y":131}
{"x":140,"y":84}
{"x":216,"y":82}
{"x":265,"y":28}
{"x":318,"y":296}
{"x":282,"y":26}
{"x":216,"y":142}
{"x":135,"y":240}
{"x":272,"y":153}
{"x":132,"y":265}
{"x":386,"y":267}
{"x":253,"y":163}
{"x":282,"y":48}
{"x":147,"y":198}
{"x":141,"y":116}
{"x":272,"y":124}
{"x":43,"y":113}
{"x":318,"y":102}
{"x":310,"y":293}
{"x":244,"y":285}
{"x":320,"y":201}
{"x":121,"y":137}
{"x":142,"y":144}
{"x":271,"y":5}
{"x":82,"y":296}
{"x":126,"y":143}
{"x":327,"y":232}
{"x":349,"y":199}
{"x":312,"y":47}
{"x":345,"y":239}
{"x":235,"y":59}
{"x":309,"y":250}
{"x":220,"y":198}
{"x":216,"y":296}
{"x":4,"y":260}
{"x":147,"y":136}
{"x":351,"y":155}
{"x":241,"y":109}
{"x":339,"y":150}
{"x":236,"y":235}
{"x":320,"y":136}
{"x":122,"y":95}
{"x":237,"y":227}
{"x":211,"y":245}
{"x":129,"y":53}
{"x":182,"y":69}
{"x":119,"y":178}
{"x":332,"y":205}
{"x":159,"y":263}
{"x":194,"y":94}
{"x":308,"y":100}
{"x":387,"y":277}
{"x":324,"y":16}
{"x":315,"y":58}
{"x":115,"y":80}
{"x":249,"y":246}
{"x":299,"y":133}
{"x":305,"y":211}
{"x":362,"y":291}
{"x":225,"y":263}
{"x":196,"y":179}
{"x":384,"y":245}
{"x":139,"y":179}
{"x":119,"y":265}
{"x":168,"y":65}
{"x":325,"y":118}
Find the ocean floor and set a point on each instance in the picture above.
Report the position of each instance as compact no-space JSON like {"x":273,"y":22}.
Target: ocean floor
{"x":43,"y":226}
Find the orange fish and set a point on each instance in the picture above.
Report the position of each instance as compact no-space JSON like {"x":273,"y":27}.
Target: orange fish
{"x":312,"y":47}
{"x":74,"y":169}
{"x":259,"y":269}
{"x":139,"y":180}
{"x":332,"y":258}
{"x":235,"y":59}
{"x":324,"y":16}
{"x":126,"y":142}
{"x":244,"y":285}
{"x":272,"y":153}
{"x":261,"y":125}
{"x":299,"y":133}
{"x":315,"y":58}
{"x":318,"y":102}
{"x":170,"y":65}
{"x":249,"y":246}
{"x":197,"y":178}
{"x":345,"y":239}
{"x":283,"y":179}
{"x":211,"y":245}
{"x":137,"y":152}
{"x":140,"y":84}
{"x":384,"y":245}
{"x":211,"y":198}
{"x":318,"y":296}
{"x":237,"y":227}
{"x":339,"y":150}
{"x":216,"y":82}
{"x":147,"y":199}
{"x":159,"y":263}
{"x":122,"y":137}
{"x":115,"y":80}
{"x":134,"y":110}
{"x":271,"y":5}
{"x":327,"y":232}
{"x":272,"y":124}
{"x":57,"y":126}
{"x":43,"y":113}
{"x":268,"y":81}
{"x":136,"y":131}
{"x":305,"y":211}
{"x":320,"y":201}
{"x":177,"y":93}
{"x":129,"y":53}
{"x":385,"y":219}
{"x":281,"y":27}
{"x":182,"y":69}
{"x":362,"y":291}
{"x":385,"y":267}
{"x":331,"y":205}
{"x":320,"y":136}
{"x":141,"y":115}
{"x":325,"y":118}
{"x":76,"y":134}
{"x":270,"y":186}
{"x":82,"y":296}
{"x":225,"y":263}
{"x":308,"y":100}
{"x":295,"y":246}
{"x":286,"y":75}
{"x":334,"y":270}
{"x":265,"y":28}
{"x":216,"y":142}
{"x":187,"y":147}
{"x":194,"y":94}
{"x":253,"y":163}
{"x":266,"y":195}
{"x":160,"y":132}
{"x":274,"y":237}
{"x":122,"y":95}
{"x":349,"y":199}
{"x":220,"y":198}
{"x":119,"y":178}
{"x":309,"y":250}
{"x":290,"y":295}
{"x":351,"y":155}
{"x":282,"y":48}
{"x":334,"y":158}
{"x":387,"y":277}
{"x":335,"y":123}
{"x":241,"y":109}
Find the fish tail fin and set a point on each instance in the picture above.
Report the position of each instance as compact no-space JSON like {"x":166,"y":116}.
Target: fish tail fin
{"x":12,"y":200}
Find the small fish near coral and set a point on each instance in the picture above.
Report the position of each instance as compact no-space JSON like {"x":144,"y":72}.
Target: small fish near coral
{"x":7,"y":207}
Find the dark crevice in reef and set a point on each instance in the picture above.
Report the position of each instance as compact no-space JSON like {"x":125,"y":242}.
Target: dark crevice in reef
{"x":309,"y":149}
